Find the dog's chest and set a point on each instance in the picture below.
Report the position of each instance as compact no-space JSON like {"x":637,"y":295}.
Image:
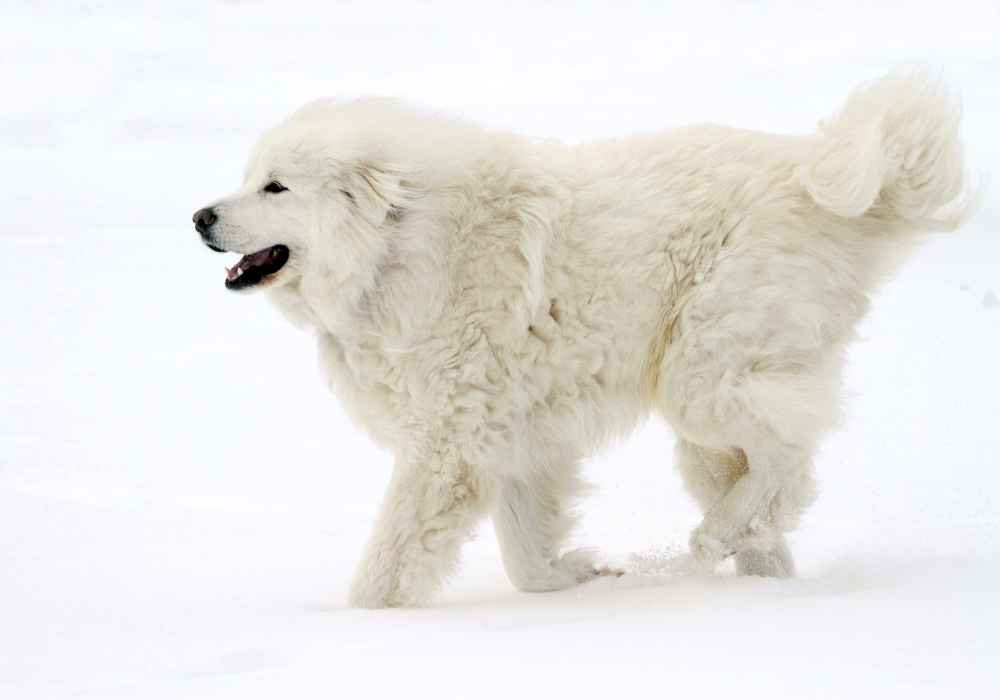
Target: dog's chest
{"x":371,"y":389}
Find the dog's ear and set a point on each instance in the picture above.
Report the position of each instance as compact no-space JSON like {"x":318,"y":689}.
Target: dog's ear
{"x":380,"y":192}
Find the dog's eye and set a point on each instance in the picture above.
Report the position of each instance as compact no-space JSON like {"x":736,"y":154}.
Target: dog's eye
{"x":274,"y":187}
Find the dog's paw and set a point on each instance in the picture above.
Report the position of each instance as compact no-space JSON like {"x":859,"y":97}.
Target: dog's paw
{"x":710,"y":549}
{"x":774,"y":562}
{"x":570,"y":569}
{"x":759,"y":550}
{"x":581,"y":565}
{"x":375,"y":592}
{"x":362,"y":596}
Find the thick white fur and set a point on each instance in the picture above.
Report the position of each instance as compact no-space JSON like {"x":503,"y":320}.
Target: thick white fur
{"x":494,"y":309}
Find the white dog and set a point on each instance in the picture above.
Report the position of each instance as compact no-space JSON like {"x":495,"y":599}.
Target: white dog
{"x":493,"y":309}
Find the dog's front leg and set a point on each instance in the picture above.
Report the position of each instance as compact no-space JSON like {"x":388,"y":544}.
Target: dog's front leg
{"x":531,"y":521}
{"x":429,"y":510}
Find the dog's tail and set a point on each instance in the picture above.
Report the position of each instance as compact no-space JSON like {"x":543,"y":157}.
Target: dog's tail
{"x":894,"y":146}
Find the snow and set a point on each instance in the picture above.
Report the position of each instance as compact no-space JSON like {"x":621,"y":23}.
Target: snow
{"x":181,"y":502}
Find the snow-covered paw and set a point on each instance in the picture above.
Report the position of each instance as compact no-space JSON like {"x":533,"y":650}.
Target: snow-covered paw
{"x":773,"y":562}
{"x":362,"y":596}
{"x":375,"y":592}
{"x":580,"y":563}
{"x":710,"y":549}
{"x":570,"y":569}
{"x":609,"y":571}
{"x":718,"y":538}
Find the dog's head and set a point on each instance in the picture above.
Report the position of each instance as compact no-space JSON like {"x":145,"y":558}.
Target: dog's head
{"x":319,"y":200}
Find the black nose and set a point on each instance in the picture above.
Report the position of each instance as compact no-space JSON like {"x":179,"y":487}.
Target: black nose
{"x":203,"y":218}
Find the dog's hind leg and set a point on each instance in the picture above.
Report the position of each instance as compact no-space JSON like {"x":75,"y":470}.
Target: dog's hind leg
{"x":531,"y":519}
{"x":739,"y":390}
{"x":709,"y":476}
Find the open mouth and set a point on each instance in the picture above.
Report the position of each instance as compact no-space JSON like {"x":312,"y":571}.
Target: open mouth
{"x":253,"y":269}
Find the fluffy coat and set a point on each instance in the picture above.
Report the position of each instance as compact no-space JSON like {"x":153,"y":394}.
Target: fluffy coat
{"x":494,"y":309}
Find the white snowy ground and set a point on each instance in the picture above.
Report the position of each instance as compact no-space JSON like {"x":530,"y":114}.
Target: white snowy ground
{"x":181,"y":503}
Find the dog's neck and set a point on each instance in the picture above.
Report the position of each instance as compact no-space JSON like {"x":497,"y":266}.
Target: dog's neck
{"x":406,"y":296}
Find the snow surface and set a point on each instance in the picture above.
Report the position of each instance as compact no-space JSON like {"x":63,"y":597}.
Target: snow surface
{"x":175,"y":519}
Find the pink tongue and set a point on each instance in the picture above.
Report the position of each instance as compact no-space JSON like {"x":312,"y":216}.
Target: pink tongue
{"x":248,"y":261}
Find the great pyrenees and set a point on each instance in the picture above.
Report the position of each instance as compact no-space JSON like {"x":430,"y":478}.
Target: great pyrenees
{"x":493,"y":309}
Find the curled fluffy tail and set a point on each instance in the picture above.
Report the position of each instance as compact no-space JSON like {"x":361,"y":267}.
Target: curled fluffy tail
{"x":895,"y":145}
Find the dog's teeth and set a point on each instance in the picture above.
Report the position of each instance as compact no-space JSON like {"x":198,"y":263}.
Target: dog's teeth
{"x":239,"y":271}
